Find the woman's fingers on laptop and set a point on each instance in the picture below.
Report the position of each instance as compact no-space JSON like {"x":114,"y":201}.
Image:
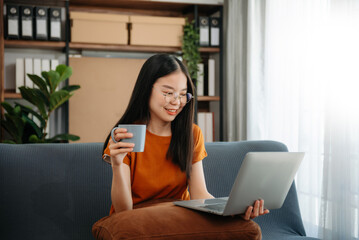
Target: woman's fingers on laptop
{"x":256,"y":210}
{"x":261,"y":207}
{"x":248,"y":213}
{"x":262,"y":210}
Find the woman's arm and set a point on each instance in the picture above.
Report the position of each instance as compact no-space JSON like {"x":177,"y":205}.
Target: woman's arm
{"x":121,"y":195}
{"x":197,"y":183}
{"x":121,"y":188}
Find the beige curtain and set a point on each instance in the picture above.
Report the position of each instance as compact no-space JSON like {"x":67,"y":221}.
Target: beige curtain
{"x":243,"y":43}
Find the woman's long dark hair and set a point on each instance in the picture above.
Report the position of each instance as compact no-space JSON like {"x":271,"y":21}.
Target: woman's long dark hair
{"x":181,"y":146}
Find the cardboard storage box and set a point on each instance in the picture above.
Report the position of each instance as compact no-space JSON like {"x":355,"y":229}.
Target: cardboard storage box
{"x":156,"y":31}
{"x":99,"y":28}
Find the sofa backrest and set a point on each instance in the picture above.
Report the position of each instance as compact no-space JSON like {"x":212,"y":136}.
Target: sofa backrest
{"x":58,"y":191}
{"x":52,"y":191}
{"x":221,"y":167}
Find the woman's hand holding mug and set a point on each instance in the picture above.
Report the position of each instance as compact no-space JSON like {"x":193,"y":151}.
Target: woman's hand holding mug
{"x":125,"y":139}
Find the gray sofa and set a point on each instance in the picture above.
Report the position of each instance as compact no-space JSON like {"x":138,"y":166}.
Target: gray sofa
{"x":57,"y":191}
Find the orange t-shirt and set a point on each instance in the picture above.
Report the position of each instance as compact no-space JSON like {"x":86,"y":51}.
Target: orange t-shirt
{"x":155,"y":177}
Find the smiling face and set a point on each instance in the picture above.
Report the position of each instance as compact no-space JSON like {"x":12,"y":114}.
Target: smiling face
{"x":161,"y":110}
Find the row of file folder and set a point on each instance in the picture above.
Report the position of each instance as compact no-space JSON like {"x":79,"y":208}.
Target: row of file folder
{"x":206,"y":78}
{"x":33,"y":23}
{"x":24,"y":66}
{"x":209,"y":31}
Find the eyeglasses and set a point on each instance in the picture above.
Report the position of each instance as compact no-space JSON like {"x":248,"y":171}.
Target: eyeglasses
{"x":172,"y":96}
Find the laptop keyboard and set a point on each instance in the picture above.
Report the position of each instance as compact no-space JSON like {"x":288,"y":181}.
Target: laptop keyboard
{"x":216,"y":207}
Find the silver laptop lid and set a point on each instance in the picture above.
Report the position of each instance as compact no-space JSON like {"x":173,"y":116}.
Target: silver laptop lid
{"x":263,"y":175}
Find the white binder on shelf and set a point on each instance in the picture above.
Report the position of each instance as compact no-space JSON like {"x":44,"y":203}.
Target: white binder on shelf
{"x":12,"y":23}
{"x":203,"y":31}
{"x":214,"y":31}
{"x":209,"y":127}
{"x":19,"y":74}
{"x":28,"y":70}
{"x":205,"y":122}
{"x":201,"y":120}
{"x":37,"y":68}
{"x":48,"y":128}
{"x":55,"y":23}
{"x":41,"y":23}
{"x":45,"y":65}
{"x":53,"y":64}
{"x":200,"y":80}
{"x":27,"y":22}
{"x":211,"y":77}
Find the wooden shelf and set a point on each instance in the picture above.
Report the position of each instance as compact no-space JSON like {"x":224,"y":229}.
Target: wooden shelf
{"x":94,"y":46}
{"x":209,"y":49}
{"x":34,"y":44}
{"x":12,"y":94}
{"x":208,"y":98}
{"x":132,"y":48}
{"x":155,"y":6}
{"x":123,"y":48}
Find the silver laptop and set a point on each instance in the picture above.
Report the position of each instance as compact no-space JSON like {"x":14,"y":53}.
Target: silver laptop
{"x":263,"y":175}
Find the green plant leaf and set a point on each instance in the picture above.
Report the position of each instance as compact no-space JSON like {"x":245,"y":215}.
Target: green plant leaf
{"x":9,"y":127}
{"x":8,"y":141}
{"x":8,"y":107}
{"x":71,"y":88}
{"x":64,"y":137}
{"x":38,"y":81}
{"x":29,"y":121}
{"x":58,"y":98}
{"x":14,"y":125}
{"x":31,"y":96}
{"x":34,"y":139}
{"x":28,"y":131}
{"x":44,"y":98}
{"x":64,"y":71}
{"x":17,"y":123}
{"x":190,"y":49}
{"x":12,"y":122}
{"x":17,"y":111}
{"x":52,"y":79}
{"x":61,"y":68}
{"x":28,"y":110}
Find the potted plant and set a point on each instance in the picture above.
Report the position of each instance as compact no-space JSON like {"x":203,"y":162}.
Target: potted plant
{"x":190,"y":49}
{"x":26,"y":125}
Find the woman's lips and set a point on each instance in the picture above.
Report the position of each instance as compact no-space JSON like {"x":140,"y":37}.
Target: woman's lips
{"x":171,"y":111}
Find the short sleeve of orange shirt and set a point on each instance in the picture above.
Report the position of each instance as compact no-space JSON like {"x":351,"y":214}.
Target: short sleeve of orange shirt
{"x":153,"y":176}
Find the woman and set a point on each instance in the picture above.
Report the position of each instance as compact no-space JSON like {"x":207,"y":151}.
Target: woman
{"x":170,"y":166}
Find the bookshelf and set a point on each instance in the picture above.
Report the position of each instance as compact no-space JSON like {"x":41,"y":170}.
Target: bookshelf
{"x":34,"y":44}
{"x":208,"y":98}
{"x":134,"y":7}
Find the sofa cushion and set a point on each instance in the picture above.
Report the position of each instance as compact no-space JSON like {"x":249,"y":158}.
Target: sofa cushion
{"x":163,"y":220}
{"x":48,"y":189}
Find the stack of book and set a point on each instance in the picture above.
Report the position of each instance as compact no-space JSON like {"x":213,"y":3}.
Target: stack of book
{"x":206,"y":78}
{"x":24,"y":66}
{"x":206,"y":123}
